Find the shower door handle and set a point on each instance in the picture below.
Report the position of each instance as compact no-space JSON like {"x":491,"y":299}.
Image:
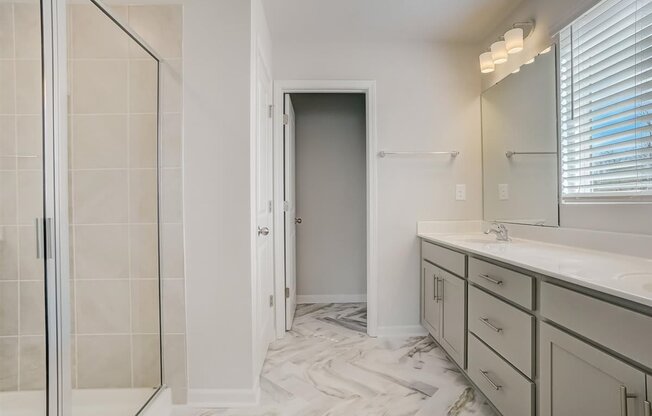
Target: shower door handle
{"x":43,"y":238}
{"x":49,"y":234}
{"x":39,"y":239}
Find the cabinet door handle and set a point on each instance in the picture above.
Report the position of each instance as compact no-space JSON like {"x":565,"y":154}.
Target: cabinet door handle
{"x":434,"y":283}
{"x":648,"y":409}
{"x":624,"y":396}
{"x":490,"y":325}
{"x":495,"y":386}
{"x":440,"y":296}
{"x":491,"y":279}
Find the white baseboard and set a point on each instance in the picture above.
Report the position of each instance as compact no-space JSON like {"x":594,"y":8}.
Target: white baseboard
{"x":223,"y":398}
{"x":303,"y":299}
{"x":402,"y":331}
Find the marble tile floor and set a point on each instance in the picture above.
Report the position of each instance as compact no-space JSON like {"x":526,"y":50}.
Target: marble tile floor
{"x":328,"y":366}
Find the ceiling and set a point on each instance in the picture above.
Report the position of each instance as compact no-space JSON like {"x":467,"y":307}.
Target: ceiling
{"x":368,"y":20}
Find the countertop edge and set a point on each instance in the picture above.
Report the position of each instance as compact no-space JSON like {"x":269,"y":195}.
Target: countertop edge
{"x":610,"y":291}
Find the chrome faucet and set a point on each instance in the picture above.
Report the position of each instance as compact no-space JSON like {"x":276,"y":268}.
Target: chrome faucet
{"x":502,"y":233}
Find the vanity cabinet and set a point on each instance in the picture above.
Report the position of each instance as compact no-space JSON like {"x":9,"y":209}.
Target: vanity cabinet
{"x":536,"y":345}
{"x":579,"y":379}
{"x":444,"y":300}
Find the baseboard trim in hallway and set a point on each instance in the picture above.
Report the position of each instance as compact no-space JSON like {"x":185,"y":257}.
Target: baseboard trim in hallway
{"x":306,"y":299}
{"x":223,"y":398}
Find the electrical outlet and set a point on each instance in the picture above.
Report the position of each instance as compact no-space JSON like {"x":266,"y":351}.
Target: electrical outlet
{"x":460,"y":192}
{"x":503,"y":191}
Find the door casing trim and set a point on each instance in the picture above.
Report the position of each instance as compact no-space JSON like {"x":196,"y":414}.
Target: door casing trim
{"x":368,"y":88}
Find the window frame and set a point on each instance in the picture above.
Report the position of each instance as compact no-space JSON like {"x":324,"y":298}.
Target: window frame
{"x":626,"y":197}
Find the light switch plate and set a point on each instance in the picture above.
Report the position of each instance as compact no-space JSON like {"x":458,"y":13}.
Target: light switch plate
{"x":460,"y":192}
{"x":503,"y":191}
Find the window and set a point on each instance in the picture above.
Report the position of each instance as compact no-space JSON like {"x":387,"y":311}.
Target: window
{"x":605,"y":79}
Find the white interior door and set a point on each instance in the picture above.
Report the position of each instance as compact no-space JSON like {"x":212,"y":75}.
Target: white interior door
{"x":290,"y":213}
{"x":264,"y":214}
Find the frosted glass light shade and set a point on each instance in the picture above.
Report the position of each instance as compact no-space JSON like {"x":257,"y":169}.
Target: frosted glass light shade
{"x":514,"y":40}
{"x":486,"y":63}
{"x":499,"y":52}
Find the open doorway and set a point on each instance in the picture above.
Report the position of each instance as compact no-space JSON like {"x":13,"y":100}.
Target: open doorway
{"x":325,"y":192}
{"x":324,"y":179}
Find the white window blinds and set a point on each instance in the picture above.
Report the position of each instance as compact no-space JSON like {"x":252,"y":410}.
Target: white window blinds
{"x":605,"y":78}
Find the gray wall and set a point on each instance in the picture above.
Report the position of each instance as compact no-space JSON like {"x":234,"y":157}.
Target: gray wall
{"x":331,"y":194}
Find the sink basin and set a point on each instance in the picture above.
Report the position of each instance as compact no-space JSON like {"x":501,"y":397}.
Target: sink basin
{"x":477,"y":238}
{"x":642,"y":280}
{"x":484,"y":241}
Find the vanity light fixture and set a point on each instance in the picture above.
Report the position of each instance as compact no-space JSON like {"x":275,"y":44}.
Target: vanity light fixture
{"x":545,"y":51}
{"x":511,"y":43}
{"x":486,"y":63}
{"x":514,"y":40}
{"x":531,"y":61}
{"x":517,"y":70}
{"x":499,"y":52}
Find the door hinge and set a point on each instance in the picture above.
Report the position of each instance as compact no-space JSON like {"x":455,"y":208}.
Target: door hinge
{"x":286,"y":119}
{"x":271,"y":110}
{"x":287,"y":292}
{"x":271,"y":300}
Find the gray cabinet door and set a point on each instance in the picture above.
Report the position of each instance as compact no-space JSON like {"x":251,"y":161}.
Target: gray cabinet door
{"x":648,"y":403}
{"x":578,"y":379}
{"x":452,"y":337}
{"x":431,"y":309}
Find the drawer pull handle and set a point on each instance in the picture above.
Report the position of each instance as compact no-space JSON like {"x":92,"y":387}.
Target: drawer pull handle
{"x":648,"y":409}
{"x":491,"y":279}
{"x":490,"y":325}
{"x":624,"y":396}
{"x":495,"y":386}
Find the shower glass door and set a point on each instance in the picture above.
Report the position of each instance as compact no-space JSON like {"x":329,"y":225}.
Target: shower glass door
{"x":80,"y":321}
{"x":23,"y":349}
{"x":113,"y":161}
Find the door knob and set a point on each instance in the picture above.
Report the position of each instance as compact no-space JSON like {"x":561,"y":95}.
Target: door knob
{"x":263,"y":231}
{"x":298,"y":220}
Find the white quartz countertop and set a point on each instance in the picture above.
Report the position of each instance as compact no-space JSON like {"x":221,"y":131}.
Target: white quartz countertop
{"x":618,"y":275}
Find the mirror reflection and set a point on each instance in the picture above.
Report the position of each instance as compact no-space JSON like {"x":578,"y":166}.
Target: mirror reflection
{"x":519,"y":138}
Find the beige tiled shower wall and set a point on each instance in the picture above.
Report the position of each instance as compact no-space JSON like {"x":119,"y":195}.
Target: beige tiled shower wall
{"x":113,"y":163}
{"x":21,"y":274}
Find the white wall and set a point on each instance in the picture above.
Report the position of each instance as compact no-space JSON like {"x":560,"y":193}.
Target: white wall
{"x":217,"y":197}
{"x":551,"y":16}
{"x":427,"y":99}
{"x":331,"y":197}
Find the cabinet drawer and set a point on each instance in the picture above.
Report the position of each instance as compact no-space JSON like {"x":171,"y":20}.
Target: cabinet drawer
{"x":448,"y":259}
{"x":614,"y":327}
{"x":503,"y":327}
{"x":509,"y":391}
{"x":509,"y":284}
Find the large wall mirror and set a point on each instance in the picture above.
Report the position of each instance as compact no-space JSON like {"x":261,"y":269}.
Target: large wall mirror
{"x":520,"y":146}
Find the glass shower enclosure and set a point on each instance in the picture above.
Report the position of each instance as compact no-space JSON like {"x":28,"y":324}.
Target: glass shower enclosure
{"x":80,"y":315}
